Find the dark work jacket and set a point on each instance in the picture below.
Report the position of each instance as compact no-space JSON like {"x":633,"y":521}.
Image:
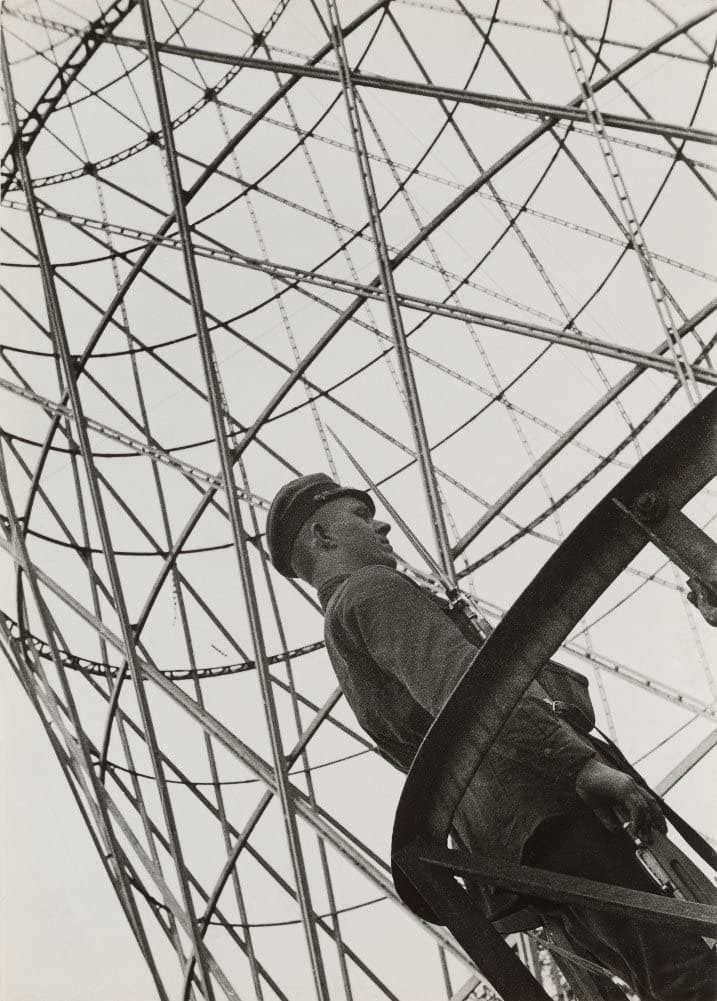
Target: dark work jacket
{"x":398,"y":656}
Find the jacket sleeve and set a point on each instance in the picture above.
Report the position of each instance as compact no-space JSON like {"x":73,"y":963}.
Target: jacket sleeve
{"x":409,"y":636}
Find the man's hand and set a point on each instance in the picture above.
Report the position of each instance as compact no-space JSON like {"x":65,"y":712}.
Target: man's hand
{"x":606,"y":789}
{"x":700,"y":598}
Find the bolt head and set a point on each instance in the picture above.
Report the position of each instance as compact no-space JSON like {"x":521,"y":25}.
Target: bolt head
{"x":649,"y":506}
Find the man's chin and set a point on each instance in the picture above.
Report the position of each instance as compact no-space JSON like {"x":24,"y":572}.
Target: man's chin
{"x":388,"y":559}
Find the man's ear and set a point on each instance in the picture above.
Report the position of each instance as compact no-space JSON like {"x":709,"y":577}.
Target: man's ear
{"x":322,"y":536}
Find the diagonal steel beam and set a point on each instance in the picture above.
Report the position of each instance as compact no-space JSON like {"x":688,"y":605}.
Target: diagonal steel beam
{"x":358,"y":854}
{"x":77,"y":744}
{"x":57,"y":327}
{"x":687,"y":763}
{"x":117,"y":876}
{"x":437,"y":221}
{"x":207,"y":172}
{"x":238,"y":531}
{"x":410,"y":389}
{"x":573,"y":337}
{"x":632,"y":225}
{"x":495,"y":509}
{"x":540,"y":109}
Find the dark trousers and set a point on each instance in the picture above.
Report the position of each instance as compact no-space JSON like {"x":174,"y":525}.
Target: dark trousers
{"x":659,"y":964}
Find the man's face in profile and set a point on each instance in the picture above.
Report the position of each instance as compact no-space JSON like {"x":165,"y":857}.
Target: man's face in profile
{"x":359,"y":537}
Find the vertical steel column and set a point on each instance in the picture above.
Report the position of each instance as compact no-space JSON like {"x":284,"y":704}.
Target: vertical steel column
{"x":93,"y":582}
{"x":323,"y":856}
{"x":242,"y":837}
{"x":100,"y":814}
{"x":177,"y":583}
{"x":386,"y":274}
{"x":57,"y":328}
{"x":238,"y":533}
{"x":118,"y":855}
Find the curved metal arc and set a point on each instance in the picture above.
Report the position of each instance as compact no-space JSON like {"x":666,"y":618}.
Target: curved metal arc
{"x":207,"y":497}
{"x":143,"y":144}
{"x":224,"y":324}
{"x":402,"y":255}
{"x":603,"y":462}
{"x":137,"y":268}
{"x":371,"y":873}
{"x":119,"y":296}
{"x":596,"y":552}
{"x":562,"y":146}
{"x":92,"y":38}
{"x":514,"y":227}
{"x":430,"y":227}
{"x":466,"y":193}
{"x":567,"y":338}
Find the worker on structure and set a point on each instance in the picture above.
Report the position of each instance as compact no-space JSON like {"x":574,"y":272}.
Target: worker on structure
{"x":538,"y":794}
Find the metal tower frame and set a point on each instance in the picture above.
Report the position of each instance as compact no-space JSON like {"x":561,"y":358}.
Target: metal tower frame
{"x":87,"y":651}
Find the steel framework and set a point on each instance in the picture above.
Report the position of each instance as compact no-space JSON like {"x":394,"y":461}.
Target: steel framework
{"x":472,"y":242}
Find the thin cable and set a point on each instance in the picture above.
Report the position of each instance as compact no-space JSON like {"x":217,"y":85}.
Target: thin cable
{"x":241,"y":782}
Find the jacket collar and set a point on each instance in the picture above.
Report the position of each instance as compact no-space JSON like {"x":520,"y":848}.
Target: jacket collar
{"x":328,"y":587}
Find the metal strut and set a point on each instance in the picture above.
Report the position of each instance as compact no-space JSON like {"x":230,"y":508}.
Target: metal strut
{"x":539,"y":109}
{"x":238,"y":532}
{"x":70,"y":376}
{"x":423,"y":447}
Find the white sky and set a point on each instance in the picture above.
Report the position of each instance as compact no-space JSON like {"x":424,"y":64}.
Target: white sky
{"x":64,"y":937}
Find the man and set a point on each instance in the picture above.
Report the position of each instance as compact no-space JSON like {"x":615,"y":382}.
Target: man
{"x":537,"y":795}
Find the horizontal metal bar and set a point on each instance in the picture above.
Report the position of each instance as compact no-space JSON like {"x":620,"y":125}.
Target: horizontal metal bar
{"x":683,"y":542}
{"x":669,"y":912}
{"x":571,"y":338}
{"x":539,"y":109}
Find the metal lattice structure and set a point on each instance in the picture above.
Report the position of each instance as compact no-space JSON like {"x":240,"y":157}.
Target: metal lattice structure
{"x":469,"y":240}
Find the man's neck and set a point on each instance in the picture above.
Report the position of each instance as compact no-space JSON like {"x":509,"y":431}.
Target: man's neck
{"x":332,"y":570}
{"x":336,"y":568}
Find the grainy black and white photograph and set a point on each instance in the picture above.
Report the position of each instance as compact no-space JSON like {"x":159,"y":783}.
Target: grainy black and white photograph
{"x":358,"y":461}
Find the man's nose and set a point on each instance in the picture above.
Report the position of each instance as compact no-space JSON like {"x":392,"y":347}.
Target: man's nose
{"x":382,"y":527}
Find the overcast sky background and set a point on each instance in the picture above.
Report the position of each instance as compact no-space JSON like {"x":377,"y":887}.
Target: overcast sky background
{"x":64,"y":937}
